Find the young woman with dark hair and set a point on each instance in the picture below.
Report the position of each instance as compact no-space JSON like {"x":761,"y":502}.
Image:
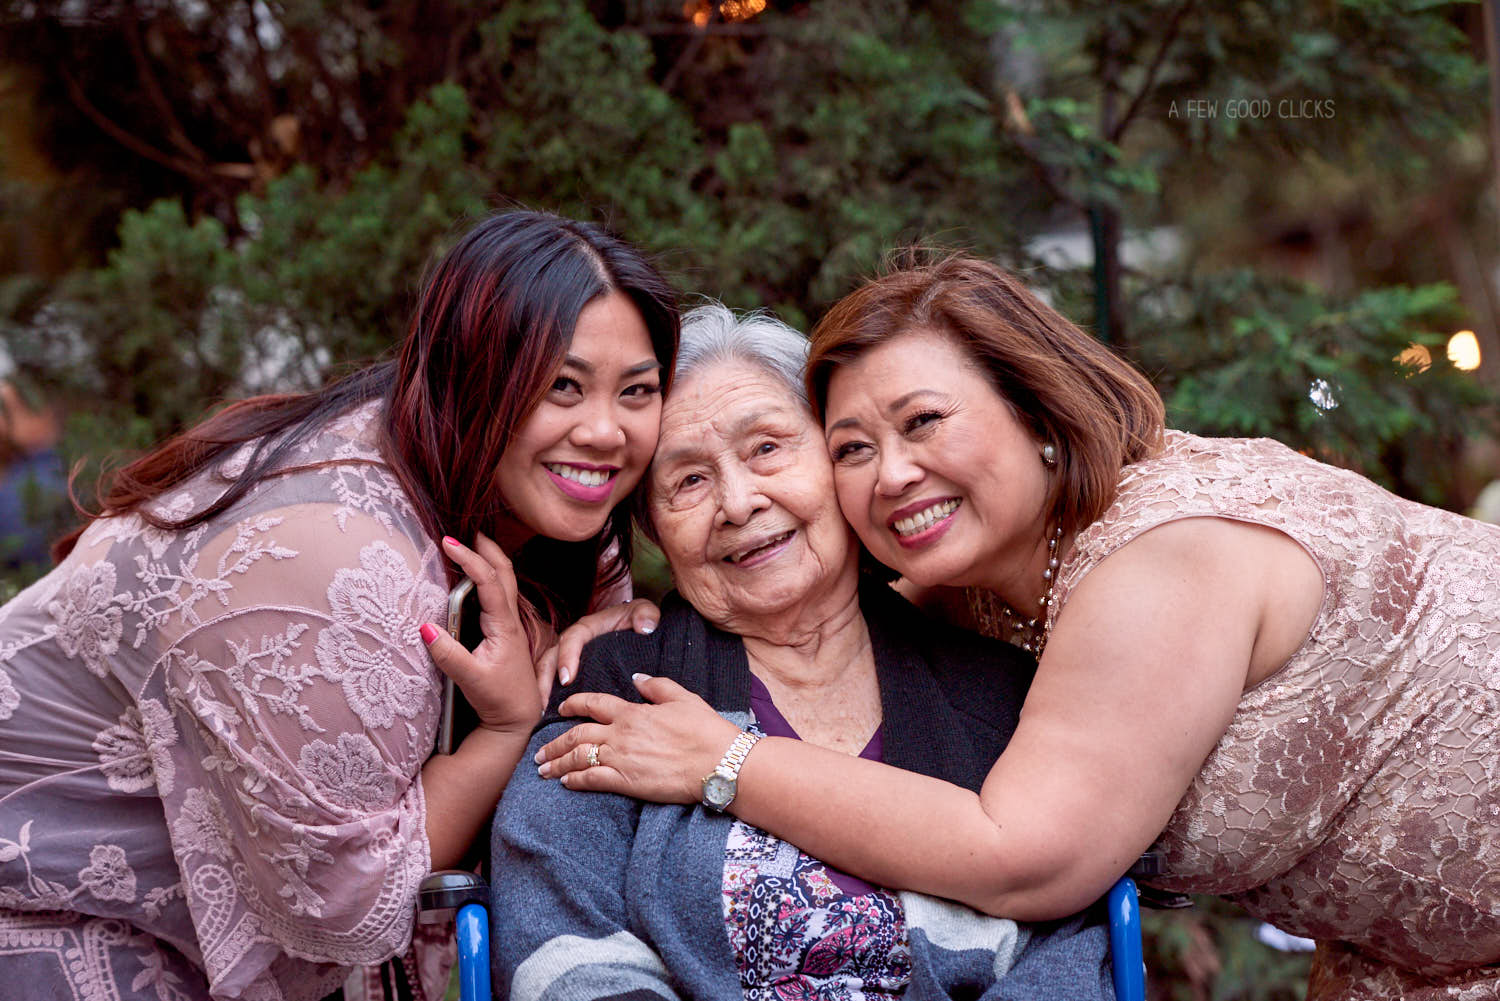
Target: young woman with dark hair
{"x":218,"y":710}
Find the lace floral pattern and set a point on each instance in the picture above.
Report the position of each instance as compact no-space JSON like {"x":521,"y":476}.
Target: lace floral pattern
{"x":244,"y":708}
{"x":1355,"y":797}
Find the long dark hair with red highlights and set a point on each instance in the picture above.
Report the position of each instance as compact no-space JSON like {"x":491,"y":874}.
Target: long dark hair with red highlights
{"x":492,"y":325}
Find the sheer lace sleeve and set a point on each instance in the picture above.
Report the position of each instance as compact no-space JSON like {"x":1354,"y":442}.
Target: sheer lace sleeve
{"x":298,"y":704}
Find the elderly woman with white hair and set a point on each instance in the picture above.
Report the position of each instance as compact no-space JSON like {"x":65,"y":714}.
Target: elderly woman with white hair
{"x":776,"y":628}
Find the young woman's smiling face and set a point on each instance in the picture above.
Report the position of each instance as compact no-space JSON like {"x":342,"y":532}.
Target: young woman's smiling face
{"x":586,"y":445}
{"x":937,"y":475}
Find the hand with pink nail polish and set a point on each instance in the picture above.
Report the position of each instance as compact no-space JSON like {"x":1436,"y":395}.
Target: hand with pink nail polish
{"x":499,"y":677}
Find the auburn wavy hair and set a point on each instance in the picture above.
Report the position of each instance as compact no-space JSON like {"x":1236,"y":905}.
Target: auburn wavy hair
{"x":1096,"y":409}
{"x":492,"y":325}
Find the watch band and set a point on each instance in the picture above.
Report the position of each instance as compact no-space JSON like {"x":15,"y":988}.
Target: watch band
{"x":721,"y":784}
{"x":734,"y":758}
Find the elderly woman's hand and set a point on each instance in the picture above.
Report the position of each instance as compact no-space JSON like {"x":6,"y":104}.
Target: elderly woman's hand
{"x":658,"y":752}
{"x":500,"y":678}
{"x":561,"y":659}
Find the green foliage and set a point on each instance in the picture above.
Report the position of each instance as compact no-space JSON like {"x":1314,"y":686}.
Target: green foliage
{"x":182,"y":315}
{"x":573,"y":123}
{"x":1239,"y":354}
{"x":1209,"y":953}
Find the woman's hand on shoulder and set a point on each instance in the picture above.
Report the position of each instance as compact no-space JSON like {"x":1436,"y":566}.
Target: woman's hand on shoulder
{"x":658,"y":751}
{"x":500,"y":677}
{"x":561,"y":659}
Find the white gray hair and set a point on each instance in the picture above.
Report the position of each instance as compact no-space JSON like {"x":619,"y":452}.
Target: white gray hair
{"x":713,"y":333}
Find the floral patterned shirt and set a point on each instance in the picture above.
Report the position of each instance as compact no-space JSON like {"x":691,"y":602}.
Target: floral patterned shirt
{"x":801,"y":930}
{"x":210,"y":740}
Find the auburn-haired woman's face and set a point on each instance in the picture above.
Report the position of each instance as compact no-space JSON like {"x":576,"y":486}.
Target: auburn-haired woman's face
{"x":933,"y":470}
{"x":586,"y":445}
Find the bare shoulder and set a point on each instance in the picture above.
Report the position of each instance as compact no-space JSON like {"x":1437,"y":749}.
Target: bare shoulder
{"x":1235,"y":578}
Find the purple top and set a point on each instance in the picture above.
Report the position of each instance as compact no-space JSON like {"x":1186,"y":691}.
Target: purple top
{"x":773,"y":724}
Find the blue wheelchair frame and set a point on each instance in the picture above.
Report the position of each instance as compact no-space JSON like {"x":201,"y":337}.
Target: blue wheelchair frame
{"x":466,"y":896}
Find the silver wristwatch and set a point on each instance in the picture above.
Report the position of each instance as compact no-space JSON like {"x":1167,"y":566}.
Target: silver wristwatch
{"x":720,"y":785}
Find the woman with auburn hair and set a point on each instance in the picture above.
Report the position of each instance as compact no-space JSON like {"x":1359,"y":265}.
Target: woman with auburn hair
{"x":1280,"y":674}
{"x":218,"y":709}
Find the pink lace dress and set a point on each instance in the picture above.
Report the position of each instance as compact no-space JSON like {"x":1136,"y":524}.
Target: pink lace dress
{"x":210,"y":741}
{"x":1355,"y":797}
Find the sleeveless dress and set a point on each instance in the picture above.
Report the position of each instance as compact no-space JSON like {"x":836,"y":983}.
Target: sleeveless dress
{"x":1355,"y":797}
{"x":211,"y":741}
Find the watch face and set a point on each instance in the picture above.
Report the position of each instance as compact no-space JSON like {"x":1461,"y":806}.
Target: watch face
{"x":718,"y":790}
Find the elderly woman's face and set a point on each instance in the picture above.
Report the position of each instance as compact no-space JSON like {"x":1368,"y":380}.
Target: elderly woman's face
{"x":741,"y":495}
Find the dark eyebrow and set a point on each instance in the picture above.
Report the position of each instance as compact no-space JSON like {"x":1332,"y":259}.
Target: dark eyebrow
{"x":639,"y":368}
{"x":896,"y":405}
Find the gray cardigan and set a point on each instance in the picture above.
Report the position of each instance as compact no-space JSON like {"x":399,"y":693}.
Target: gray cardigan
{"x":600,"y":896}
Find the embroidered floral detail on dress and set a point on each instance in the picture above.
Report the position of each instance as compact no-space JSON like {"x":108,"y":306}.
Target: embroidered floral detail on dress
{"x":1396,"y":583}
{"x":234,"y":467}
{"x":158,"y":897}
{"x":108,"y":876}
{"x":134,"y":752}
{"x":170,"y":591}
{"x":379,"y":597}
{"x":1305,"y":760}
{"x":378,"y":689}
{"x":88,"y":616}
{"x":166,"y":985}
{"x":352,"y":774}
{"x":201,"y":826}
{"x":172,"y":508}
{"x":375,"y":594}
{"x":10,"y":699}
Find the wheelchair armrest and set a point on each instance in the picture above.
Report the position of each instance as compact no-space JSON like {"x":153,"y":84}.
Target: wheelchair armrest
{"x":443,"y":892}
{"x":462,"y":897}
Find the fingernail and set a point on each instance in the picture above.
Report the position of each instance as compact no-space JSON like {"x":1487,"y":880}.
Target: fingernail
{"x":449,"y":540}
{"x":566,"y":677}
{"x":537,"y":757}
{"x":638,"y":678}
{"x":429,"y":633}
{"x":648,"y":629}
{"x":545,"y":771}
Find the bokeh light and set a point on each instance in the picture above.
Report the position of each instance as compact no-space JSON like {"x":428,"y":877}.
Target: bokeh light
{"x":1416,"y":358}
{"x":1463,"y":350}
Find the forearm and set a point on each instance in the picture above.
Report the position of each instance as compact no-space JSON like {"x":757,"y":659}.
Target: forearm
{"x":462,"y":789}
{"x":908,"y":831}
